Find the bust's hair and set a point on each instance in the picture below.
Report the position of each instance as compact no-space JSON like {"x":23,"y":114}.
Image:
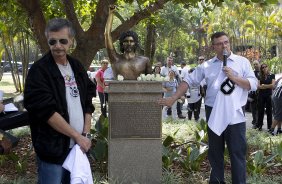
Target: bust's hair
{"x":56,"y":24}
{"x":127,"y":34}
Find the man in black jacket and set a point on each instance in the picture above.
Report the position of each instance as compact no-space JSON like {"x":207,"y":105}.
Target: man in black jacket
{"x":58,"y":96}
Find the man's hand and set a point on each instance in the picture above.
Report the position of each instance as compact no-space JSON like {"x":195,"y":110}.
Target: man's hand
{"x":112,"y":8}
{"x":84,"y":143}
{"x":229,"y":72}
{"x":166,"y":101}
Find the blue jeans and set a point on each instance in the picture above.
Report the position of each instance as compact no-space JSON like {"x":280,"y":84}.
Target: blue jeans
{"x":49,"y":173}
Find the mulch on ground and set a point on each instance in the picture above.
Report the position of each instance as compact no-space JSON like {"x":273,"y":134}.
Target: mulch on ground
{"x":10,"y":171}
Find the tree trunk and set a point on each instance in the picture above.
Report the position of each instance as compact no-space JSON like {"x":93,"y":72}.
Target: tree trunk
{"x":90,"y":41}
{"x":150,"y":41}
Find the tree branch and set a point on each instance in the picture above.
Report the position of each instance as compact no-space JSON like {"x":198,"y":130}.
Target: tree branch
{"x":37,"y":21}
{"x":137,"y":17}
{"x":70,"y":13}
{"x":100,"y":18}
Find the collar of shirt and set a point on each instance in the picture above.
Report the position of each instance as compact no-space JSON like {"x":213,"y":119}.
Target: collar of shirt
{"x":231,"y":58}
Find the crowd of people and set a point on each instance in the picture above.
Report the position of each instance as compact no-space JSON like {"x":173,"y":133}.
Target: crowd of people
{"x":60,"y":83}
{"x":266,"y":100}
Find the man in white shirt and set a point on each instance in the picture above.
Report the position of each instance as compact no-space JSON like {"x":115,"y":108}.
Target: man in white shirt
{"x":169,"y":66}
{"x":164,"y":72}
{"x":223,"y":82}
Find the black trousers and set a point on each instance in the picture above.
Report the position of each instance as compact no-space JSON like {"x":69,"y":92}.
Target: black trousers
{"x":235,"y":138}
{"x":196,"y":108}
{"x":103,"y":102}
{"x":178,"y":108}
{"x":254,"y":109}
{"x":264,"y":102}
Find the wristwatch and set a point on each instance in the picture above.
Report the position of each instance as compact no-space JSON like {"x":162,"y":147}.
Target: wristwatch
{"x":86,"y":134}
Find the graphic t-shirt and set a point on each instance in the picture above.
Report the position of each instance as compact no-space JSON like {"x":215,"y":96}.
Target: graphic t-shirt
{"x":76,"y":117}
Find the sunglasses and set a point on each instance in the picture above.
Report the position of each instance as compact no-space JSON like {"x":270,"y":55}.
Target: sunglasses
{"x":201,"y":59}
{"x":54,"y":41}
{"x":263,"y":67}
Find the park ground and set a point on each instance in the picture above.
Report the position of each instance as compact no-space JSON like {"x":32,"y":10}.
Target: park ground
{"x":20,"y":166}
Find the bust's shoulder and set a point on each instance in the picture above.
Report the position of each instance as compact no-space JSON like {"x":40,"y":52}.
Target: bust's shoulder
{"x":144,"y":58}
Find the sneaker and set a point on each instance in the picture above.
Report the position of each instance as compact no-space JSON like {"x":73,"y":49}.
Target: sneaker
{"x":180,"y":116}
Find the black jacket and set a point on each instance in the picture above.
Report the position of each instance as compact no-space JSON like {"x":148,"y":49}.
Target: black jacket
{"x":44,"y":95}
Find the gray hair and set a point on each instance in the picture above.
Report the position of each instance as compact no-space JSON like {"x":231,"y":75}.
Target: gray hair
{"x":56,"y":24}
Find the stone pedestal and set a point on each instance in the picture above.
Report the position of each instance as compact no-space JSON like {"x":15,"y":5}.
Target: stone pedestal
{"x":135,"y":150}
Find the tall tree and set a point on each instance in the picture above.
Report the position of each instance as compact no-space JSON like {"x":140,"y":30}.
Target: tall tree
{"x":90,"y":39}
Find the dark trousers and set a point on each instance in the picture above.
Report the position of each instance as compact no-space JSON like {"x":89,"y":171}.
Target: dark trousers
{"x":194,"y":107}
{"x":178,"y":108}
{"x":103,"y":102}
{"x":254,"y":110}
{"x":264,"y":102}
{"x":235,"y":138}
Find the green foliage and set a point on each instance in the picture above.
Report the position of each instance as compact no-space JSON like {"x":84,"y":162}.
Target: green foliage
{"x":169,"y":155}
{"x":194,"y":158}
{"x":275,"y":65}
{"x":99,"y":151}
{"x":278,"y":151}
{"x":171,"y":177}
{"x":20,"y":161}
{"x":202,"y":132}
{"x":21,"y":180}
{"x":258,"y":162}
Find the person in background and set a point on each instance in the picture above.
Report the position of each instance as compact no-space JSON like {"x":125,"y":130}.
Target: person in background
{"x":203,"y":88}
{"x":169,"y":66}
{"x":58,"y":97}
{"x":184,"y":70}
{"x":170,"y":87}
{"x":183,"y":67}
{"x":227,"y":92}
{"x":277,"y":107}
{"x":164,"y":72}
{"x":159,"y":64}
{"x":101,"y":86}
{"x":2,"y":107}
{"x":266,"y":84}
{"x":194,"y":99}
{"x":253,"y":96}
{"x":157,"y":70}
{"x":108,"y":74}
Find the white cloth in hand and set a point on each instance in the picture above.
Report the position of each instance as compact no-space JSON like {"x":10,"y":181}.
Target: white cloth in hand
{"x":78,"y":165}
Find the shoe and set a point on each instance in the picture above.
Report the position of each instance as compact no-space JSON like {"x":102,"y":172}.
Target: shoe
{"x":279,"y":132}
{"x":254,"y":127}
{"x":259,"y":128}
{"x":180,"y":116}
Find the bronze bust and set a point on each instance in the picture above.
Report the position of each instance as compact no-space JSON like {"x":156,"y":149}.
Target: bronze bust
{"x":128,"y":63}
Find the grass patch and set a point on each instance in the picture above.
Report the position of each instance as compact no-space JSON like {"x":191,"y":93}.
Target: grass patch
{"x":261,"y":140}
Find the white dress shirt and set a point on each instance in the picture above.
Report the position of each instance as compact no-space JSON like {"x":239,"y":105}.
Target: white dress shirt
{"x":226,"y":108}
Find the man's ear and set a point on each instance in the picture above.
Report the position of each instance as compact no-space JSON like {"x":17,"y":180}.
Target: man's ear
{"x":73,"y":45}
